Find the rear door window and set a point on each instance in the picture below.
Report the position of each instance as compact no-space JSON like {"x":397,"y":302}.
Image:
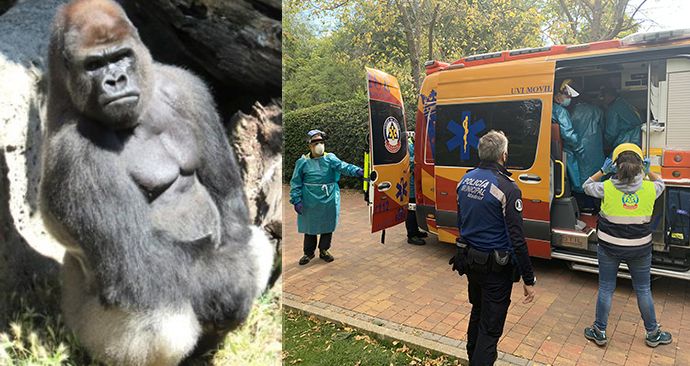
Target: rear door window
{"x":460,"y":126}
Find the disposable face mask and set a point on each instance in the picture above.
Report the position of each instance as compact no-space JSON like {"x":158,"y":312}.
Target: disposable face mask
{"x":319,"y":149}
{"x":566,"y":102}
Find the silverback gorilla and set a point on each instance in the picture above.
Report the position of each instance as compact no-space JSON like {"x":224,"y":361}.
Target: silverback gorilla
{"x":142,"y":188}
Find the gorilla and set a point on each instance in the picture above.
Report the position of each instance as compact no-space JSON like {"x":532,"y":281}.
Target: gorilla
{"x":142,"y":188}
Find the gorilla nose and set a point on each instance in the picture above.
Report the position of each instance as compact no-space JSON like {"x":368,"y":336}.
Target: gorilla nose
{"x":115,"y":84}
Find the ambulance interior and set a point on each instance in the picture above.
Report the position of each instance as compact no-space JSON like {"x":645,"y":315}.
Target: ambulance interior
{"x":659,"y":91}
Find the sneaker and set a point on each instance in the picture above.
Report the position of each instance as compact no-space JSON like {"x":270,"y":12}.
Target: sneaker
{"x":415,"y":240}
{"x":305,"y":259}
{"x":593,"y":333}
{"x":657,"y":337}
{"x":325,"y":255}
{"x":422,"y":234}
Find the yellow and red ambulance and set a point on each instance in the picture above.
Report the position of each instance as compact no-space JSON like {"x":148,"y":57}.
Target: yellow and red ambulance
{"x":512,"y":91}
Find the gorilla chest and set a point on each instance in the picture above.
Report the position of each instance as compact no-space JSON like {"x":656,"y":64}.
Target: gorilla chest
{"x":164,"y":168}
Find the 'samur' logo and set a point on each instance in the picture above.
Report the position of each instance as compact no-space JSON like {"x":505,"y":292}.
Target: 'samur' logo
{"x":391,"y":134}
{"x":630,"y":201}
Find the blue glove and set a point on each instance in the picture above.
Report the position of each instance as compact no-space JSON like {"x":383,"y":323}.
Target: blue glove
{"x":608,"y":167}
{"x":299,"y":207}
{"x":360,"y":173}
{"x":646,"y":165}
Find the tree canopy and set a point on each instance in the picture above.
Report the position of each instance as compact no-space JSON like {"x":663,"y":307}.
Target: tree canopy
{"x":327,"y":43}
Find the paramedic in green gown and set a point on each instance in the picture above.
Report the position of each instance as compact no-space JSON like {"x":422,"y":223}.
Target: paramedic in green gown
{"x":315,"y":195}
{"x":623,"y":122}
{"x":572,"y":144}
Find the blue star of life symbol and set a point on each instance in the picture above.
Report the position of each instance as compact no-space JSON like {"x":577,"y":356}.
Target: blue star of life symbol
{"x":401,"y":187}
{"x":465,"y":135}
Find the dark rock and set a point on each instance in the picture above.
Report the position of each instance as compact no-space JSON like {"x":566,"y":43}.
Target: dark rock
{"x":235,"y":45}
{"x":5,"y":5}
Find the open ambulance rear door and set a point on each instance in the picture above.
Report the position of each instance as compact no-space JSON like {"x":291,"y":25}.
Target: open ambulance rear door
{"x":388,"y":166}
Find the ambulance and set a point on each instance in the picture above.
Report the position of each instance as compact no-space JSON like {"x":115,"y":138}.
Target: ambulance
{"x":512,"y":91}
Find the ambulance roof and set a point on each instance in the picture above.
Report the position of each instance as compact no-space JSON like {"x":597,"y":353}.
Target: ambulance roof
{"x":632,"y":43}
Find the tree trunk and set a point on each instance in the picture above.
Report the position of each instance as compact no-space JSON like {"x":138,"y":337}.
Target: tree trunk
{"x":258,"y":140}
{"x":596,"y":26}
{"x":411,"y":39}
{"x":432,"y":24}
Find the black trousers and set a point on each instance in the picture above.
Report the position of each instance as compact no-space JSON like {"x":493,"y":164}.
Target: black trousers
{"x":411,"y":222}
{"x":489,"y":295}
{"x":310,"y":243}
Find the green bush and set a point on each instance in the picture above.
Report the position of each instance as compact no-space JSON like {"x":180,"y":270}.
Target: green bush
{"x":346,"y":127}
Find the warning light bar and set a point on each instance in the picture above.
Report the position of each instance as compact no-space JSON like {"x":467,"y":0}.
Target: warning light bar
{"x":654,"y":37}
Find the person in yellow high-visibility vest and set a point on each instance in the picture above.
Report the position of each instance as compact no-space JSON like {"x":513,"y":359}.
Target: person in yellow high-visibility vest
{"x":624,"y":234}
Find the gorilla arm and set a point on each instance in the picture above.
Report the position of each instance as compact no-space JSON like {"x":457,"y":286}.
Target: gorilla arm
{"x":91,"y":199}
{"x":227,"y":276}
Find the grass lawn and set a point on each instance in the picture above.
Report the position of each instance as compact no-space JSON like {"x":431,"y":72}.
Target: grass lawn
{"x":310,"y":341}
{"x":37,"y":334}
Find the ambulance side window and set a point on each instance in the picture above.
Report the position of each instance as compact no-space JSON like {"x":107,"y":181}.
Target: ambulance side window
{"x":459,"y":127}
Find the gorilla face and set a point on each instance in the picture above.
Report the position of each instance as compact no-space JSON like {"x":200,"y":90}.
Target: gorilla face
{"x":107,"y":67}
{"x":114,"y":85}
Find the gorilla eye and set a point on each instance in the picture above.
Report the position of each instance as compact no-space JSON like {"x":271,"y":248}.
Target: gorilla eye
{"x":123,"y":55}
{"x":93,"y":64}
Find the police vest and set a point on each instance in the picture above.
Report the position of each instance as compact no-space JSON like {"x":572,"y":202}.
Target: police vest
{"x":624,"y":217}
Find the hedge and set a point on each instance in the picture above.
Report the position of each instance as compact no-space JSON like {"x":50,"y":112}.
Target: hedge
{"x":345,"y":124}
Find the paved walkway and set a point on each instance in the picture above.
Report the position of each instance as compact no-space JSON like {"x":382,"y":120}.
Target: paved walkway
{"x":414,"y":287}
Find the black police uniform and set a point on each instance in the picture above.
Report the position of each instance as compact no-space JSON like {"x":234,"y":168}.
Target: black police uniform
{"x":491,"y":249}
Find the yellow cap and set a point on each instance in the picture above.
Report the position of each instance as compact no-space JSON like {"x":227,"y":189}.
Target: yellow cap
{"x":627,"y":147}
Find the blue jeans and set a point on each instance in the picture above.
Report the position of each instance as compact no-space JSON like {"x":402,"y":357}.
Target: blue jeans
{"x":641,"y":281}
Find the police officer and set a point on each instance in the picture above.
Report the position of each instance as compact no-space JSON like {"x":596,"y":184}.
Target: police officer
{"x":492,"y":246}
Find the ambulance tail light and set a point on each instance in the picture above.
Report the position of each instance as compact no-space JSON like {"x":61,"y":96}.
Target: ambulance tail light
{"x":655,"y":37}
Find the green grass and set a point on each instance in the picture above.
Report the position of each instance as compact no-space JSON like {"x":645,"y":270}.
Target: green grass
{"x":258,"y":342}
{"x":37,"y":335}
{"x":309,"y":341}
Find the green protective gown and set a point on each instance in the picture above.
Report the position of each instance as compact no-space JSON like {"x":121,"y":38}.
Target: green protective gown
{"x":622,"y":124}
{"x":571,"y":145}
{"x":314,"y":183}
{"x":588,"y":124}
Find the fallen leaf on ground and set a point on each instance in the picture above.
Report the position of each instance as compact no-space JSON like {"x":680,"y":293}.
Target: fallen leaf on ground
{"x":402,"y":349}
